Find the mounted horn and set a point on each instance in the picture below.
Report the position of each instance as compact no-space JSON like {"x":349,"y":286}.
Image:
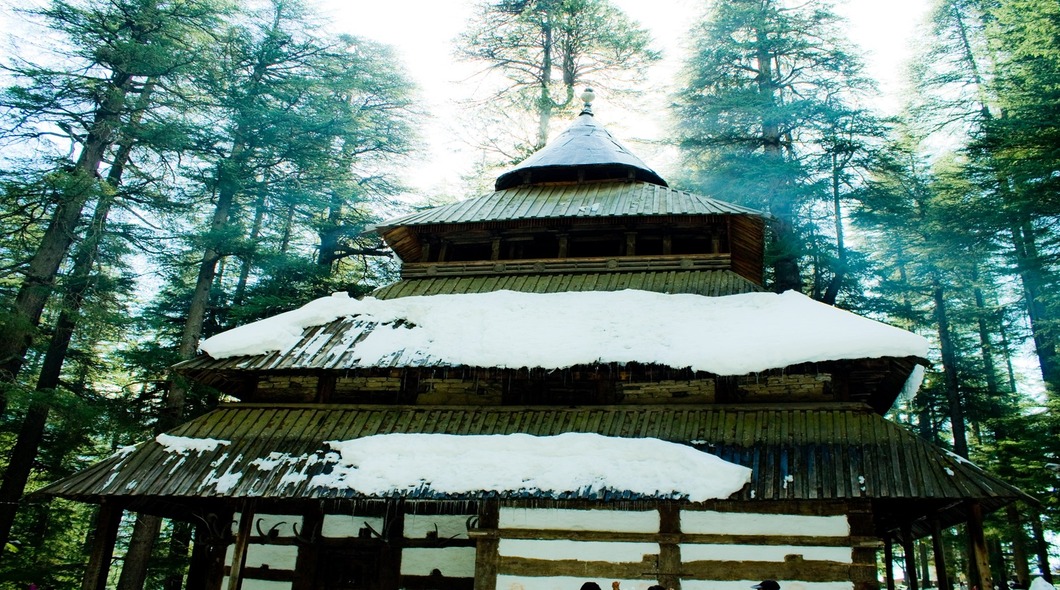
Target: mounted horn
{"x":312,"y":539}
{"x":273,"y":533}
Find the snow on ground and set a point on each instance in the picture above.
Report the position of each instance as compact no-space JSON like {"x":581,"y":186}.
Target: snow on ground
{"x":731,"y":335}
{"x":571,"y":462}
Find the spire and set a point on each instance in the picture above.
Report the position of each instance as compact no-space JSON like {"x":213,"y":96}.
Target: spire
{"x":584,"y":152}
{"x":588,"y":97}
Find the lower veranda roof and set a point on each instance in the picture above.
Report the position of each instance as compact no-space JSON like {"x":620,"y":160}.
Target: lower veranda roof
{"x":844,"y":452}
{"x":732,"y":335}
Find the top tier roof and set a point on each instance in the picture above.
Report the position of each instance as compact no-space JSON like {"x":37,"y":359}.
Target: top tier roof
{"x":585,"y":151}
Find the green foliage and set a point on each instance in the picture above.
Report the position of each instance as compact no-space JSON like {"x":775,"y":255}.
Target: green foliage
{"x":768,"y":118}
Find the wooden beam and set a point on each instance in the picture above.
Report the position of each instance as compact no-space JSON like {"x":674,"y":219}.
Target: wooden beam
{"x":909,"y":549}
{"x":980,"y":555}
{"x":888,"y":561}
{"x":105,"y":533}
{"x":390,"y":554}
{"x":669,"y":575}
{"x":306,"y":563}
{"x":939,"y":551}
{"x":239,"y":554}
{"x":487,"y":556}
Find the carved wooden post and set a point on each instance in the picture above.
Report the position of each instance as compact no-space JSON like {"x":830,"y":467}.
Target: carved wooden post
{"x":669,"y":545}
{"x":106,"y":532}
{"x":980,"y":554}
{"x":486,"y":548}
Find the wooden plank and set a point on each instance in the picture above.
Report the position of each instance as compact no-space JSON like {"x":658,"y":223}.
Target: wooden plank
{"x":487,"y":556}
{"x":105,"y":532}
{"x":239,"y":552}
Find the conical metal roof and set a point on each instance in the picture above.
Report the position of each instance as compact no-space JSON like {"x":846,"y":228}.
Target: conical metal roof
{"x":585,"y":151}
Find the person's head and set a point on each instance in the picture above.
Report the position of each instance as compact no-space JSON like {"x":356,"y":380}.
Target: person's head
{"x":590,"y":586}
{"x":767,"y":585}
{"x":656,"y":587}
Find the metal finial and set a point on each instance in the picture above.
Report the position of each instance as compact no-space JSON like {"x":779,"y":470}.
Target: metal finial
{"x":587,"y":97}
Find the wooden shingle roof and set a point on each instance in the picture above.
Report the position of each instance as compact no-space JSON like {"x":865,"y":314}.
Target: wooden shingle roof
{"x":712,"y":283}
{"x":553,"y":201}
{"x":843,"y":452}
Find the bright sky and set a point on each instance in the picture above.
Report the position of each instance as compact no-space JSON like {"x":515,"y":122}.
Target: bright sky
{"x":423,"y":32}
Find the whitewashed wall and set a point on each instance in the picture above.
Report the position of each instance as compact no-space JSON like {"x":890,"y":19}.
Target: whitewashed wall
{"x":778,"y":526}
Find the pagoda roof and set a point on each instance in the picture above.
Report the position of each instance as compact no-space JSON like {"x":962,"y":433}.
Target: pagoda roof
{"x":732,"y":335}
{"x":584,"y":151}
{"x":585,"y":200}
{"x":274,"y":452}
{"x":713,"y":283}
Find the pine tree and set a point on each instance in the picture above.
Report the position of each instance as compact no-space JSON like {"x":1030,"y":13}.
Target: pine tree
{"x":544,"y":49}
{"x":767,"y":90}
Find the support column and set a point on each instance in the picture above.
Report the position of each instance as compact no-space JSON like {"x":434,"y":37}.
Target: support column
{"x":888,"y":561}
{"x":487,"y":556}
{"x":106,"y":532}
{"x":939,"y":550}
{"x":239,"y":554}
{"x":393,"y":539}
{"x":669,"y":545}
{"x":308,"y":551}
{"x":908,"y":547}
{"x":977,"y":540}
{"x":213,"y":534}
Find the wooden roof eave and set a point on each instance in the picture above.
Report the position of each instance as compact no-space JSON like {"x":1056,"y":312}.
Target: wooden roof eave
{"x":786,"y":438}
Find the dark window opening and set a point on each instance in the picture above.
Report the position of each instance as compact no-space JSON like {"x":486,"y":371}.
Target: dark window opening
{"x":469,"y":252}
{"x":596,"y":246}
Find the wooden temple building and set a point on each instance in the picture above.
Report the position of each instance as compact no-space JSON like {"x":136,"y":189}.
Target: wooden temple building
{"x":832,"y":485}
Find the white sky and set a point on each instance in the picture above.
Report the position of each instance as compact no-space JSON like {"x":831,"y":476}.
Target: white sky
{"x":423,"y":33}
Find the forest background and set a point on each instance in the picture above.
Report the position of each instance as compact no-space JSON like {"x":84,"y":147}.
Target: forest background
{"x":173,"y":168}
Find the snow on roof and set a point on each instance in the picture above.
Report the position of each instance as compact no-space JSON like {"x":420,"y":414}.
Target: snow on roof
{"x":550,"y":465}
{"x":732,"y":335}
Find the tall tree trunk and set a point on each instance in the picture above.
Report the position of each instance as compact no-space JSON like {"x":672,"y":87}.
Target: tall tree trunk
{"x":79,"y":285}
{"x":247,"y":260}
{"x":544,"y":99}
{"x":949,"y":367}
{"x":782,"y":206}
{"x":145,"y":532}
{"x":55,"y":243}
{"x":1029,"y":266}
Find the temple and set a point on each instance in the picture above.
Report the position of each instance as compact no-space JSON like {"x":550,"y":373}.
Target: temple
{"x":578,"y":377}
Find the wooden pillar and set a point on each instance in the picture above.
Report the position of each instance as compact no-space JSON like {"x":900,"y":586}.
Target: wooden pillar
{"x":980,"y":555}
{"x":239,"y":554}
{"x":308,"y":552}
{"x":487,"y":556}
{"x":669,"y":545}
{"x":888,"y":561}
{"x":939,"y":551}
{"x":106,"y":532}
{"x":563,"y":244}
{"x":908,"y":547}
{"x":393,"y":539}
{"x":213,"y":533}
{"x":863,"y":571}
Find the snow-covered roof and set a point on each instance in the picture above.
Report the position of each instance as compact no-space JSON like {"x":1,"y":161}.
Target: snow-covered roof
{"x":731,"y":335}
{"x":277,"y":451}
